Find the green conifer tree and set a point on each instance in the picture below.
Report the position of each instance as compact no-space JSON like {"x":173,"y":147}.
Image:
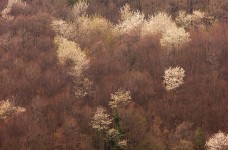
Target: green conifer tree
{"x":199,"y":139}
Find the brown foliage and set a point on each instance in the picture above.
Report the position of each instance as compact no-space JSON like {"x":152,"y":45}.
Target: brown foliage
{"x":57,"y":119}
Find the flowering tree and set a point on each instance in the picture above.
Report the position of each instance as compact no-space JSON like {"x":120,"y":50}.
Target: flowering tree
{"x":125,"y":12}
{"x":196,"y":18}
{"x":6,"y":12}
{"x":122,"y":144}
{"x":63,"y":28}
{"x":71,"y":50}
{"x":157,"y":24}
{"x":120,"y":99}
{"x":112,"y":134}
{"x":172,"y":36}
{"x":83,"y":87}
{"x":115,"y":139}
{"x":90,"y":29}
{"x":218,"y":141}
{"x":130,"y":20}
{"x":174,"y":77}
{"x":88,"y":24}
{"x":7,"y":109}
{"x":80,"y":8}
{"x":101,"y":119}
{"x":84,"y":29}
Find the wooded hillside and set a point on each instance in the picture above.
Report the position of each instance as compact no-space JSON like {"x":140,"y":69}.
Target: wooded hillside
{"x":113,"y":75}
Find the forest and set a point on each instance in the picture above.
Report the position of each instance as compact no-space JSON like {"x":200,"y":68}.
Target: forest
{"x":113,"y":75}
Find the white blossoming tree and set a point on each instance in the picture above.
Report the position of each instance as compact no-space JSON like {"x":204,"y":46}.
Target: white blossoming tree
{"x":6,"y":12}
{"x":80,"y":8}
{"x":8,"y":109}
{"x":95,"y":23}
{"x":115,"y":140}
{"x":157,"y":24}
{"x":218,"y":141}
{"x":172,"y":36}
{"x":71,"y":50}
{"x":114,"y":137}
{"x":196,"y":18}
{"x":62,"y":28}
{"x":112,"y":134}
{"x":101,"y":120}
{"x":120,"y":99}
{"x":125,"y":12}
{"x":130,"y":21}
{"x":173,"y":78}
{"x":89,"y":29}
{"x":83,"y":87}
{"x":84,"y":29}
{"x":122,"y":144}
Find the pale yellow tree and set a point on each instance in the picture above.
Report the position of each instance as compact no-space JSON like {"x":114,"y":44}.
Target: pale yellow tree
{"x":173,"y":78}
{"x":6,"y":12}
{"x":63,"y":28}
{"x":120,"y":99}
{"x":68,"y":50}
{"x":115,"y":136}
{"x":101,"y":120}
{"x":80,"y":8}
{"x":218,"y":141}
{"x":172,"y":36}
{"x":8,"y":109}
{"x":157,"y":24}
{"x":196,"y":18}
{"x":130,"y":21}
{"x":92,"y":28}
